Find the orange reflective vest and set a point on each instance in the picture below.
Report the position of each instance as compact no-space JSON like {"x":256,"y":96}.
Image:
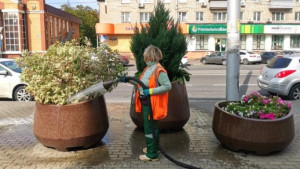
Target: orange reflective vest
{"x":159,"y":102}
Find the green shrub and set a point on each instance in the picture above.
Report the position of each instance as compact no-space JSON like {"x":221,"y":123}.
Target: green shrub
{"x":66,"y":69}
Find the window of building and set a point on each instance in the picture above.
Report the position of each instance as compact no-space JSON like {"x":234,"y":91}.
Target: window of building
{"x":51,"y":30}
{"x":125,"y":1}
{"x":277,"y":42}
{"x":24,"y":35}
{"x":68,"y":29}
{"x":241,"y":15}
{"x":145,"y":16}
{"x":11,"y":29}
{"x":243,"y":42}
{"x":199,"y":1}
{"x":182,"y":16}
{"x":64,"y":25}
{"x":201,"y":42}
{"x":297,"y":16}
{"x":182,"y":1}
{"x":55,"y":27}
{"x":220,"y":16}
{"x":166,"y":1}
{"x":256,"y":16}
{"x":258,"y":42}
{"x":125,"y":16}
{"x":199,"y":16}
{"x":59,"y":26}
{"x":277,"y":16}
{"x":295,"y":41}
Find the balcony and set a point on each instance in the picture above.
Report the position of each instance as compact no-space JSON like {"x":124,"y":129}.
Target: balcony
{"x":217,"y":4}
{"x":281,"y":4}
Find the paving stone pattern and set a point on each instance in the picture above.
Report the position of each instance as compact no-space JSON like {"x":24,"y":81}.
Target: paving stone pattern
{"x":123,"y":143}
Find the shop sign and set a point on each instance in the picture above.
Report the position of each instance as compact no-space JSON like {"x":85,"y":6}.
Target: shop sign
{"x":252,"y":29}
{"x":282,"y":29}
{"x":208,"y":29}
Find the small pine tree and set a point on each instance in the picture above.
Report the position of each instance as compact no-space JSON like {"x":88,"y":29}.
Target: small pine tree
{"x":164,"y":33}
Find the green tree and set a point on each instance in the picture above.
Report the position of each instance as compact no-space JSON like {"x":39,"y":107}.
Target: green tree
{"x":89,"y":19}
{"x":166,"y":34}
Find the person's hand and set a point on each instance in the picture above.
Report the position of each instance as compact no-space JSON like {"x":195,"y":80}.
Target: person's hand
{"x":146,"y":92}
{"x":123,"y":79}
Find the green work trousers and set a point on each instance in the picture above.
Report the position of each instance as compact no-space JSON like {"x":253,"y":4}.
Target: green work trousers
{"x":150,"y":141}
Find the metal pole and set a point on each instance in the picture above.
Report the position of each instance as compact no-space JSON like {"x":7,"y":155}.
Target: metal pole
{"x":233,"y":48}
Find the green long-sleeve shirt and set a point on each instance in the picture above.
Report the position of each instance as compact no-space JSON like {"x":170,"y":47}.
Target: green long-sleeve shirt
{"x":163,"y":80}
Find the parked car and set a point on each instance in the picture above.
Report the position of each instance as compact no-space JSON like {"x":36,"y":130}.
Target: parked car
{"x":11,"y":85}
{"x":247,"y":57}
{"x":184,"y":61}
{"x":267,"y":56}
{"x":282,"y":76}
{"x":215,"y":57}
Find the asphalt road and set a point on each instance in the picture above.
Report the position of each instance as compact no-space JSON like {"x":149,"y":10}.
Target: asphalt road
{"x":207,"y":82}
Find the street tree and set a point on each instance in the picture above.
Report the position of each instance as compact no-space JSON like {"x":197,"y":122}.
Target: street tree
{"x":89,"y":19}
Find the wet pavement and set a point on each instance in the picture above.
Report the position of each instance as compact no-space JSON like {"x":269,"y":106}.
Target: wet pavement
{"x":123,"y":143}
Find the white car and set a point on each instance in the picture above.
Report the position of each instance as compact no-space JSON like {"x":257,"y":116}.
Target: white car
{"x":11,"y":85}
{"x":247,"y":57}
{"x":184,"y":61}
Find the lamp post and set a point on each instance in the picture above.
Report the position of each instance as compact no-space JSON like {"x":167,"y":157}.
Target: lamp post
{"x":233,"y":48}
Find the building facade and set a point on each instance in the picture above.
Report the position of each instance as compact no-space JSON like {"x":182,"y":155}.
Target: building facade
{"x":33,"y":25}
{"x":265,"y":25}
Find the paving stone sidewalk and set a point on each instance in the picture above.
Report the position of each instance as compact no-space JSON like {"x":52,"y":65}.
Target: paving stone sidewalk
{"x":123,"y":143}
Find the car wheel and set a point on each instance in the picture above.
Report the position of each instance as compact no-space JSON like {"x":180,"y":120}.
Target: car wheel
{"x":295,"y":93}
{"x":21,"y":94}
{"x":246,"y":61}
{"x":224,"y":62}
{"x":204,"y":61}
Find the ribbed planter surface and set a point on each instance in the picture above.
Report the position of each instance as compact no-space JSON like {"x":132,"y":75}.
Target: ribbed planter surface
{"x":72,"y":126}
{"x":259,"y":136}
{"x":178,"y":109}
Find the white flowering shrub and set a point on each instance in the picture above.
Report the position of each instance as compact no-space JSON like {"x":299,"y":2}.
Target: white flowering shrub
{"x":66,"y":69}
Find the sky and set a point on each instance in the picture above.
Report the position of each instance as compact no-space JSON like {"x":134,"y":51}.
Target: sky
{"x":57,"y":3}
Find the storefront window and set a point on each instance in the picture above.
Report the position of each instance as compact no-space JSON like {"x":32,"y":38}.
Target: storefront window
{"x":277,"y":42}
{"x":11,"y":29}
{"x":243,"y":42}
{"x":258,"y":42}
{"x":295,"y":41}
{"x":201,"y":42}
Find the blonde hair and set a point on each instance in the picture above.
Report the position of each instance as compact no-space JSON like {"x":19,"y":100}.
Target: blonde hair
{"x":152,"y":53}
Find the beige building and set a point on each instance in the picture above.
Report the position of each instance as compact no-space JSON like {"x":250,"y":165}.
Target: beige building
{"x":265,"y":24}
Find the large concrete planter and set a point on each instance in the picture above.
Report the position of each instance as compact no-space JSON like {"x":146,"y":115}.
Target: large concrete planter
{"x":259,"y":136}
{"x":178,"y":109}
{"x":72,"y":126}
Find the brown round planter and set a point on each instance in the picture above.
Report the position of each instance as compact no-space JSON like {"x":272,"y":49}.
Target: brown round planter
{"x":72,"y":126}
{"x":178,"y":109}
{"x":259,"y":136}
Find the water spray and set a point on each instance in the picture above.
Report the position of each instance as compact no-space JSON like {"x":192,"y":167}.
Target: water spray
{"x":102,"y":87}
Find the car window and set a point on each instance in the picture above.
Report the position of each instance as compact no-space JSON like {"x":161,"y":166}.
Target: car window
{"x":1,"y":68}
{"x":242,"y":53}
{"x":12,"y":66}
{"x":279,"y":62}
{"x":251,"y":52}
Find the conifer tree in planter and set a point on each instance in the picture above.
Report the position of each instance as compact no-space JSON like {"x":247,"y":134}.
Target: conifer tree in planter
{"x":166,"y":34}
{"x":58,"y":74}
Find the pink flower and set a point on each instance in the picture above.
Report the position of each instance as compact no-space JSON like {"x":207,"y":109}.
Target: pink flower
{"x":261,"y":115}
{"x":270,"y":116}
{"x":265,"y":101}
{"x":289,"y":105}
{"x":255,"y":93}
{"x":245,"y":98}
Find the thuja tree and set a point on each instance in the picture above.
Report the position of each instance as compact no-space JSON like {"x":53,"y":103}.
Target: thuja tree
{"x":163,"y":32}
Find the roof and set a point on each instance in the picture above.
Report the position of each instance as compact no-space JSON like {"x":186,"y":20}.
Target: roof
{"x":63,"y":14}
